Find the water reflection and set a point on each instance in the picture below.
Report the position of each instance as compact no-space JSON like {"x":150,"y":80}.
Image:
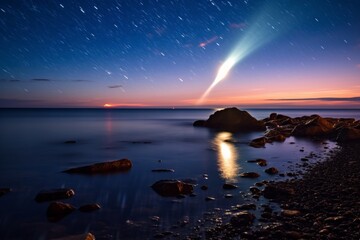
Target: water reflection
{"x":227,"y":156}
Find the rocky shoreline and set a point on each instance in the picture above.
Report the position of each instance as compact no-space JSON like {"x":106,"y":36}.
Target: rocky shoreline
{"x":323,"y":204}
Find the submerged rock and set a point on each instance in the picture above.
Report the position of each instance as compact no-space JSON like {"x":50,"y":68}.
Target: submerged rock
{"x":163,"y":170}
{"x":89,"y":207}
{"x":54,"y":194}
{"x":258,"y":142}
{"x":58,"y":210}
{"x":229,"y":186}
{"x":232,"y":119}
{"x":103,"y":168}
{"x":172,"y":188}
{"x":249,"y":175}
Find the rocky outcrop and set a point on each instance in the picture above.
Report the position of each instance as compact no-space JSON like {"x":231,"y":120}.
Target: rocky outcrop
{"x":58,"y":210}
{"x":316,"y":126}
{"x":54,"y":194}
{"x":233,"y":120}
{"x":103,"y":168}
{"x":172,"y":188}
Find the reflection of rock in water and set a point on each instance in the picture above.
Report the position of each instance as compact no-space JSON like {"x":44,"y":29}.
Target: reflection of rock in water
{"x":227,"y":156}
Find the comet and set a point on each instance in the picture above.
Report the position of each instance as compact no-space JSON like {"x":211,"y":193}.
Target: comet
{"x":261,"y":31}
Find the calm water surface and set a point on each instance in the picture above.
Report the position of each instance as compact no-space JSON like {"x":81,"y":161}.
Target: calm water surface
{"x":33,"y":156}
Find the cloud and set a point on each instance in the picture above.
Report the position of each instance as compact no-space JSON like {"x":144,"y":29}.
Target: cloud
{"x":115,"y":86}
{"x":325,"y":99}
{"x":41,"y":79}
{"x":358,"y":65}
{"x":203,"y":44}
{"x":81,"y":80}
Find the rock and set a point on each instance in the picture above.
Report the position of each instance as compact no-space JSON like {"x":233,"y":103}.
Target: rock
{"x":70,"y":142}
{"x":163,"y":170}
{"x":85,"y":236}
{"x":199,"y":123}
{"x":209,"y":199}
{"x":228,"y":196}
{"x":89,"y":207}
{"x":249,"y":175}
{"x":4,"y":191}
{"x":254,"y":190}
{"x":258,"y":142}
{"x":334,"y":220}
{"x":348,"y":134}
{"x":103,"y":168}
{"x":58,"y":210}
{"x":276,"y":192}
{"x":249,"y":206}
{"x":259,"y":161}
{"x":272,"y":171}
{"x":293,"y":235}
{"x":54,"y":194}
{"x":233,"y":120}
{"x":204,"y":187}
{"x":242,"y":219}
{"x":290,"y":213}
{"x":316,"y":126}
{"x":229,"y":186}
{"x":172,"y":188}
{"x":304,"y":159}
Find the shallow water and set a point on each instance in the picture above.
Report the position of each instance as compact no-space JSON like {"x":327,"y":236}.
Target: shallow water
{"x":33,"y":156}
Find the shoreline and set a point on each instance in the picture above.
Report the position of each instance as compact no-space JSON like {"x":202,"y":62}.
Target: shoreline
{"x":324,"y":204}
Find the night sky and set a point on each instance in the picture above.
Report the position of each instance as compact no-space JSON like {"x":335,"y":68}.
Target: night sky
{"x":167,"y":53}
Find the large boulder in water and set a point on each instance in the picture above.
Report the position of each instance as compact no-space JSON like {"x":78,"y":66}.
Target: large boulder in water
{"x":232,"y":119}
{"x":316,"y":126}
{"x":172,"y":188}
{"x":103,"y":168}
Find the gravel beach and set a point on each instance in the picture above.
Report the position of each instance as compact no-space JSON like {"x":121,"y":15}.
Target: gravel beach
{"x":323,"y":204}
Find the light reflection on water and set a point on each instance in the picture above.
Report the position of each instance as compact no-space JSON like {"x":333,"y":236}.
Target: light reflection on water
{"x":227,"y":156}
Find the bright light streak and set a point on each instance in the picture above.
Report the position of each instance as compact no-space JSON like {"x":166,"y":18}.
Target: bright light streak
{"x":264,"y":29}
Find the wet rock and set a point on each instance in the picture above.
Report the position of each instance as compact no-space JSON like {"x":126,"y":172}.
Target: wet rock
{"x":232,"y":119}
{"x":258,"y":142}
{"x":242,"y":219}
{"x":204,"y":187}
{"x":229,"y":186}
{"x":259,"y":161}
{"x":209,"y":199}
{"x":103,"y":168}
{"x":316,"y":126}
{"x":293,"y":235}
{"x":4,"y":191}
{"x":172,"y":188}
{"x":163,"y":170}
{"x":228,"y":195}
{"x":254,"y":190}
{"x":347,"y":134}
{"x":304,"y":159}
{"x":277,"y":192}
{"x":85,"y":236}
{"x":249,"y":206}
{"x":58,"y":210}
{"x":89,"y":207}
{"x":249,"y":175}
{"x":54,"y":194}
{"x":290,"y":213}
{"x":272,"y":171}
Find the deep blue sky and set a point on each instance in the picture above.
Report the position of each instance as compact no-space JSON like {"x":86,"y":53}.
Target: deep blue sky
{"x":166,"y":53}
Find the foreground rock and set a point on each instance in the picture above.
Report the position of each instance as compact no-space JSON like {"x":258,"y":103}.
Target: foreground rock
{"x":232,"y":119}
{"x":89,"y":207}
{"x":4,"y":191}
{"x":242,"y":219}
{"x":249,"y":175}
{"x":54,"y":194}
{"x":58,"y":210}
{"x":316,"y":126}
{"x":103,"y":168}
{"x":85,"y":236}
{"x":172,"y":188}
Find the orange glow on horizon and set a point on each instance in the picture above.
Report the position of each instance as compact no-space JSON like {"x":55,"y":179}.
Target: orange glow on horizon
{"x":107,"y":105}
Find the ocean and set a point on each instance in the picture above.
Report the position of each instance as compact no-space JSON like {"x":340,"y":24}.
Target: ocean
{"x":33,"y":155}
